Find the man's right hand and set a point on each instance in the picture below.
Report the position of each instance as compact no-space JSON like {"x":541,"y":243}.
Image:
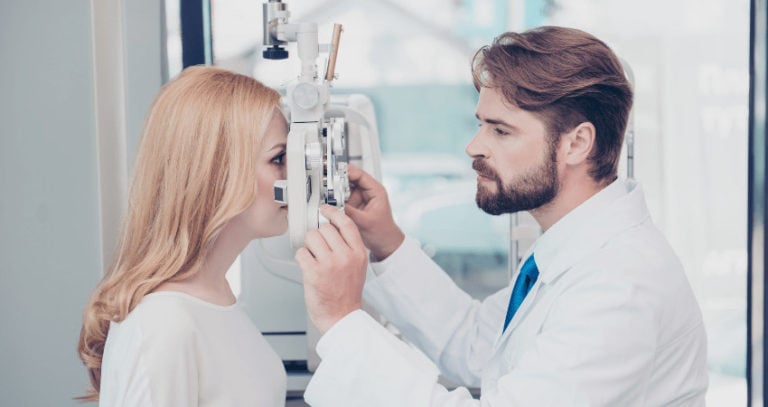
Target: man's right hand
{"x":369,"y":208}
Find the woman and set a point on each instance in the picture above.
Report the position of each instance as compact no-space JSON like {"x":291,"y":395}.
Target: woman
{"x":163,"y":327}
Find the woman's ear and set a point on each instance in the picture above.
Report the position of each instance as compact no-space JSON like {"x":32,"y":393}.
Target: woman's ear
{"x":578,"y":143}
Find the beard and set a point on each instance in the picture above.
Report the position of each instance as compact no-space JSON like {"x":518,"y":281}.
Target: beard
{"x":530,"y":190}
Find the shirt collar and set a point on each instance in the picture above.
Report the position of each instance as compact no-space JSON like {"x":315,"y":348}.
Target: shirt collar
{"x":551,"y":243}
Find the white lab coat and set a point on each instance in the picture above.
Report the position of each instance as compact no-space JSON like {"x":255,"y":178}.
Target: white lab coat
{"x":611,"y":321}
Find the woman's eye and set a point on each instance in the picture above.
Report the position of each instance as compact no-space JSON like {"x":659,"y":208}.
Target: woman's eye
{"x":279,"y":159}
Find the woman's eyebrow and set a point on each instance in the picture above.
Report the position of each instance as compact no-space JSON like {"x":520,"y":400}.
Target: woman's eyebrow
{"x":279,"y":146}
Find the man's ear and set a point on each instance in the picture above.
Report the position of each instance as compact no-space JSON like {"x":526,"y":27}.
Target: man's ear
{"x":578,"y":143}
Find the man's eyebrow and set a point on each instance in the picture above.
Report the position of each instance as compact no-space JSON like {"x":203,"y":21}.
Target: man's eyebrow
{"x":495,"y":121}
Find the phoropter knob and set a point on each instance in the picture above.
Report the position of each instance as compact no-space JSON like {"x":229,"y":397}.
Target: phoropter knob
{"x":275,"y":52}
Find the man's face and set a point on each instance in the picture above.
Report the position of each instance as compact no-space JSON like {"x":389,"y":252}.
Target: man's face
{"x":513,"y":156}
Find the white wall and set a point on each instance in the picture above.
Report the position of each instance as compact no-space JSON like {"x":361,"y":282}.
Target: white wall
{"x":52,"y":207}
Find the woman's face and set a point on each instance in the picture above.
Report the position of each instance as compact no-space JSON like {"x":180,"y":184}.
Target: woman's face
{"x":265,"y":216}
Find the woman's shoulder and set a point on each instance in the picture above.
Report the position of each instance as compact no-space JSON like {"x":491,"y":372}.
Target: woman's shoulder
{"x":159,"y":313}
{"x":157,"y":337}
{"x":157,"y":304}
{"x":177,"y":311}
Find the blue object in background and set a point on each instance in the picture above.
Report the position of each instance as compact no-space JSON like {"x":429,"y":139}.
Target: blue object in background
{"x":535,"y":12}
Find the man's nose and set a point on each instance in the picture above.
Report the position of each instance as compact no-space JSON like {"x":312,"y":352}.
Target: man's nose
{"x":475,"y":147}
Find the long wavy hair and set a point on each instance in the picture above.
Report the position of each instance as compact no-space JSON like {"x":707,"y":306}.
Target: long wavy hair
{"x":195,"y":170}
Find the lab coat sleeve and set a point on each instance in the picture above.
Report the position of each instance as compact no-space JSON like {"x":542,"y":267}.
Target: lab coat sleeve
{"x":455,"y":331}
{"x":365,"y":365}
{"x":594,"y":350}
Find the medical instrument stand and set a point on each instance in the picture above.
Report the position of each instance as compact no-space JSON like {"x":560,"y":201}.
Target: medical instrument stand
{"x":317,"y":163}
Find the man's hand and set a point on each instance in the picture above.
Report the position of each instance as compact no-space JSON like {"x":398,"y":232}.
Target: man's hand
{"x":333,"y":263}
{"x":368,"y":206}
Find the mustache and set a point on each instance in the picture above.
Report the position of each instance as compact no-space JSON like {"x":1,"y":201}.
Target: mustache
{"x":484,"y":169}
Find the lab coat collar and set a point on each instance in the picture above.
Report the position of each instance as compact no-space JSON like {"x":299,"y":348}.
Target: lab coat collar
{"x":585,"y":229}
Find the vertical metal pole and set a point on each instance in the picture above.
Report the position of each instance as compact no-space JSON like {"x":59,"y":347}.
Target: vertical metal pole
{"x":629,"y":134}
{"x":196,"y":37}
{"x":164,"y":74}
{"x":514,"y":245}
{"x":756,"y":304}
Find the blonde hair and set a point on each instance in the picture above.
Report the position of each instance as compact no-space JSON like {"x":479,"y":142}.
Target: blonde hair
{"x":195,"y":170}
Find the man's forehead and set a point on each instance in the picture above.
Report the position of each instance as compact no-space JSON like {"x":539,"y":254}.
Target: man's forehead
{"x":493,"y":102}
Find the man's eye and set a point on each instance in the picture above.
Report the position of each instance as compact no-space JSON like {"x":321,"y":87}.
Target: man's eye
{"x":500,"y":132}
{"x":279,"y":159}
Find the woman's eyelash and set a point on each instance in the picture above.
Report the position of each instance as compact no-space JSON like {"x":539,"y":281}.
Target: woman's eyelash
{"x":279,"y":159}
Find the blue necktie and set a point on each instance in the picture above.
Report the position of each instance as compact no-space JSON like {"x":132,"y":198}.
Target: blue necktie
{"x":525,"y":280}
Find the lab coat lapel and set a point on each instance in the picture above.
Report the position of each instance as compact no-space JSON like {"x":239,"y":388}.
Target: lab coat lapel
{"x":594,"y":232}
{"x":519,"y":315}
{"x":626,"y":212}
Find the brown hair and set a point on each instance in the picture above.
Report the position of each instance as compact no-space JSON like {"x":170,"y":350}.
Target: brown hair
{"x":194,"y":172}
{"x":567,"y":77}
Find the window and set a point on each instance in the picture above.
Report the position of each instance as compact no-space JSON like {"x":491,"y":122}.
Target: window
{"x":690,"y":63}
{"x":417,"y":75}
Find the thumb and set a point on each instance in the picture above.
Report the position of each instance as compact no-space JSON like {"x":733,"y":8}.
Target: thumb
{"x":361,"y":179}
{"x":355,"y":214}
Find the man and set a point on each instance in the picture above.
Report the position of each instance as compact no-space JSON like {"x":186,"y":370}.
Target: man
{"x":599,"y":314}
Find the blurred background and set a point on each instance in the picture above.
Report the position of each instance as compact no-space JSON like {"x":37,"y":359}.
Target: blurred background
{"x":76,"y":79}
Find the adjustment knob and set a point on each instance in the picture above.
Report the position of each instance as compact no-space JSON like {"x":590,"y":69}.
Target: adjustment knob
{"x":306,"y":95}
{"x":314,"y":156}
{"x":275,"y":52}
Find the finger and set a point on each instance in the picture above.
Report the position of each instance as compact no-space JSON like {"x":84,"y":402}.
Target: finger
{"x":355,"y":214}
{"x":308,"y":266}
{"x":316,"y":244}
{"x":332,"y":237}
{"x":354,"y":172}
{"x":362,"y":181}
{"x":304,"y":258}
{"x":360,"y":217}
{"x":356,"y":199}
{"x":345,"y":225}
{"x":331,"y":213}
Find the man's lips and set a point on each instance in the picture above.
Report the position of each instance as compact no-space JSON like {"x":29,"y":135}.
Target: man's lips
{"x":482,"y":170}
{"x":480,"y":175}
